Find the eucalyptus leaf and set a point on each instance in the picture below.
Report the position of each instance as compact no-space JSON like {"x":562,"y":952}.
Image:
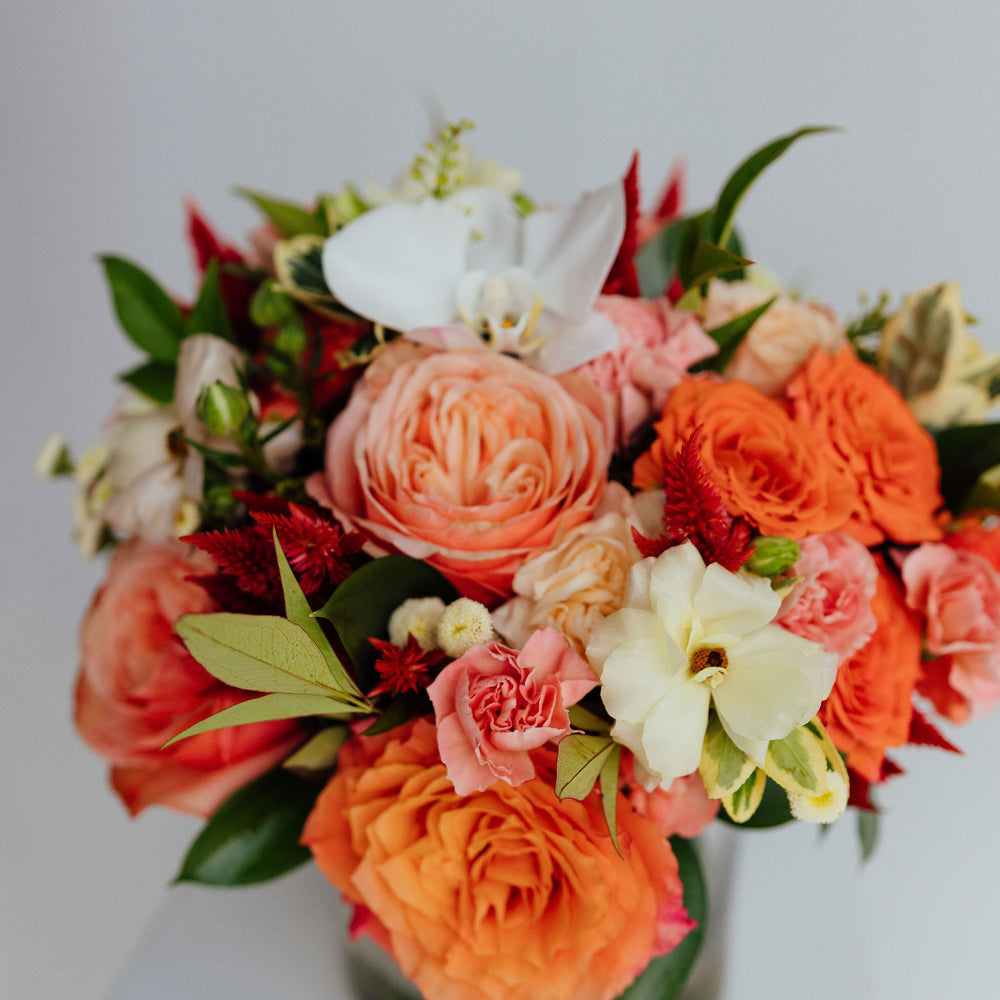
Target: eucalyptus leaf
{"x":254,"y":835}
{"x":298,"y":611}
{"x":746,"y":173}
{"x":289,"y":218}
{"x":664,"y":978}
{"x":268,"y":708}
{"x":256,"y":652}
{"x":147,"y":314}
{"x":208,"y":314}
{"x":155,"y":379}
{"x":579,"y":763}
{"x":361,"y":606}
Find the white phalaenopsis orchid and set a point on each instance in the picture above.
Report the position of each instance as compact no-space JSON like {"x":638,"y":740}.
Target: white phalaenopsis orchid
{"x":524,"y":286}
{"x":691,"y":637}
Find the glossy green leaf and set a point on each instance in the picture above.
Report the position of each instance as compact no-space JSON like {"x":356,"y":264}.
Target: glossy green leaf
{"x":254,"y":835}
{"x":208,"y":314}
{"x":155,"y":379}
{"x":664,"y":978}
{"x":147,"y":314}
{"x":269,"y":707}
{"x":710,"y":261}
{"x":729,"y":336}
{"x":289,"y":218}
{"x":257,"y":652}
{"x":746,"y":173}
{"x":579,"y":762}
{"x":868,"y":823}
{"x":964,"y":454}
{"x":360,"y":607}
{"x":298,"y":611}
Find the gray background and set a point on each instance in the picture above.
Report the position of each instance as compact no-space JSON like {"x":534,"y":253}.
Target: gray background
{"x":112,"y":111}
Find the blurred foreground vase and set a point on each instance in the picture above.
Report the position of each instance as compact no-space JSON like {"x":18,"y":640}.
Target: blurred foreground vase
{"x":372,"y":975}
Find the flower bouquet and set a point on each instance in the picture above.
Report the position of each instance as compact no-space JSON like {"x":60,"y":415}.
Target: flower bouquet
{"x":485,"y":552}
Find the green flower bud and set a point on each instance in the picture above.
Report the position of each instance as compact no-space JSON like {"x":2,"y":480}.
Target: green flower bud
{"x":222,"y":409}
{"x":772,"y":556}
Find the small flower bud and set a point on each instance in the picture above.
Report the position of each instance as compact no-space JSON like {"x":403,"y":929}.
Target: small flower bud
{"x":772,"y":556}
{"x":221,"y":408}
{"x":54,"y":460}
{"x":419,"y":617}
{"x":464,"y":624}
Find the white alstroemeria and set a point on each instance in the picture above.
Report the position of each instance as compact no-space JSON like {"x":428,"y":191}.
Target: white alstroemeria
{"x":524,"y":286}
{"x":691,"y":637}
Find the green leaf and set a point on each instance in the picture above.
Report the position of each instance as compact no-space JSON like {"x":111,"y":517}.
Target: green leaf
{"x":710,"y":260}
{"x":723,"y":766}
{"x":320,"y":752}
{"x":729,"y":336}
{"x":797,"y":763}
{"x":154,"y":379}
{"x":579,"y":763}
{"x":298,"y":611}
{"x":208,"y":314}
{"x":147,"y":314}
{"x":583,"y":718}
{"x":269,"y":305}
{"x":289,"y":218}
{"x":257,"y":652}
{"x":868,"y":822}
{"x":743,"y":803}
{"x":254,"y":835}
{"x":964,"y":454}
{"x":746,"y":173}
{"x":609,"y":792}
{"x":664,"y":977}
{"x":399,"y":711}
{"x":656,"y":261}
{"x":361,"y":606}
{"x":267,"y":708}
{"x":772,"y":811}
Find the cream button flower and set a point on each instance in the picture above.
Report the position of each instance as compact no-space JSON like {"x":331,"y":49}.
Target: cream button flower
{"x":691,"y":638}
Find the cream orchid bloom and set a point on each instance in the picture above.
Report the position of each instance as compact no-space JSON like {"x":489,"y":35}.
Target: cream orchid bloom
{"x":690,"y":638}
{"x":523,"y":286}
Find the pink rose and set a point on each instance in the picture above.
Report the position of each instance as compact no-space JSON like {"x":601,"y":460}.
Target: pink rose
{"x":833,"y":603}
{"x":471,"y":461}
{"x":959,"y":593}
{"x":656,"y":346}
{"x":138,"y":686}
{"x":494,"y":705}
{"x":780,"y":342}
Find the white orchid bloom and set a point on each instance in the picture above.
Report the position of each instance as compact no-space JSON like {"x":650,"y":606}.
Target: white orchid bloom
{"x":691,"y":637}
{"x":523,"y":286}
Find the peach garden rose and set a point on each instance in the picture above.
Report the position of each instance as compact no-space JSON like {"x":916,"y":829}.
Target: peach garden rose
{"x":471,"y":461}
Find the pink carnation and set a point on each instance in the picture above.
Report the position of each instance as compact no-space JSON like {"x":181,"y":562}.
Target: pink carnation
{"x":959,"y":593}
{"x":494,"y":705}
{"x":657,"y":344}
{"x":833,"y":603}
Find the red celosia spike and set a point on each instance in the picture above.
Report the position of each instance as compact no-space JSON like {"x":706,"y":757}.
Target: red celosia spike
{"x":247,"y":554}
{"x":651,"y":546}
{"x":924,"y":733}
{"x":204,"y":241}
{"x":890,"y":768}
{"x":672,"y":200}
{"x":693,"y":511}
{"x":263,"y":501}
{"x":860,"y":794}
{"x":622,"y":278}
{"x":403,"y":668}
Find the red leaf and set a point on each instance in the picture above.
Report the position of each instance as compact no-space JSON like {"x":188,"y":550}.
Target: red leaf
{"x":924,"y":733}
{"x":205,"y":243}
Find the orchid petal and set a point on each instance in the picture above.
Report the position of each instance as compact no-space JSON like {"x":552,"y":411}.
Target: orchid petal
{"x":399,"y":264}
{"x":494,"y":228}
{"x":674,"y":731}
{"x":570,"y":249}
{"x":569,"y":345}
{"x":772,"y":684}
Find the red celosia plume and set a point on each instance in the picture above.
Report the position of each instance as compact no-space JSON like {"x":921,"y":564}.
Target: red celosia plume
{"x":693,"y":511}
{"x":622,"y":278}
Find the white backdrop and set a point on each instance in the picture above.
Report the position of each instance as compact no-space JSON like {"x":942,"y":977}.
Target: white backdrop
{"x":112,"y":111}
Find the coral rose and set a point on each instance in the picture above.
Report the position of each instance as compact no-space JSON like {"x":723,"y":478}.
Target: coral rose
{"x":958,"y":593}
{"x":494,"y":705}
{"x":138,"y":686}
{"x":505,"y":894}
{"x":471,"y":461}
{"x":833,"y":603}
{"x":864,"y":429}
{"x":781,"y":340}
{"x":765,"y":466}
{"x":656,"y":346}
{"x":683,"y":809}
{"x":871,"y":704}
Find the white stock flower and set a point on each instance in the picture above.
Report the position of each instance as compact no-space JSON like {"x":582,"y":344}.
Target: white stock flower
{"x":690,"y":638}
{"x":524,"y":286}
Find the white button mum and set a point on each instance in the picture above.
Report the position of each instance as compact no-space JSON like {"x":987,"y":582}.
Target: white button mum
{"x":690,"y":638}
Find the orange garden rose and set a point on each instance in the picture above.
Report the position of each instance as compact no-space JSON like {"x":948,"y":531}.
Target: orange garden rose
{"x":138,"y":686}
{"x":469,"y":460}
{"x":505,"y":894}
{"x":765,"y":466}
{"x":863,"y":428}
{"x":871,"y":704}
